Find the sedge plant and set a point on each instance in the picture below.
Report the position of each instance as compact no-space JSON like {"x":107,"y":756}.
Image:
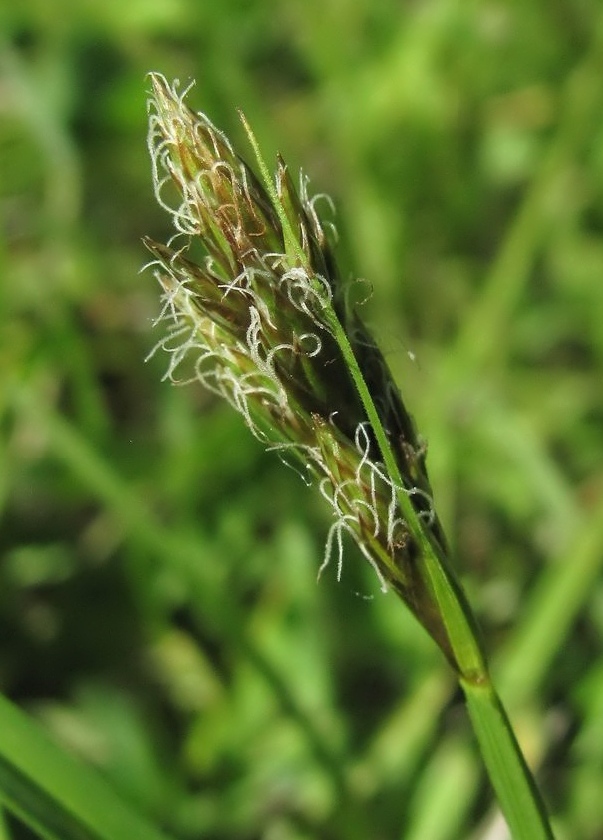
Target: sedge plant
{"x":265,"y":320}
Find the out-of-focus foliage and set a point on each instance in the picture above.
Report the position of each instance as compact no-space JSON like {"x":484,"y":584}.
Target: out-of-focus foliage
{"x":159,"y":610}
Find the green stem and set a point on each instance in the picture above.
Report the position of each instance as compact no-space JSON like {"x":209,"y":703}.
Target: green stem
{"x":519,"y":798}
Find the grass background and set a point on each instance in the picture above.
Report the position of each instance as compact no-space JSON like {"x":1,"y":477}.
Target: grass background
{"x":159,"y":611}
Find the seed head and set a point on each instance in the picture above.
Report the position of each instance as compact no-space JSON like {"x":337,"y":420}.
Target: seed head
{"x":252,"y":321}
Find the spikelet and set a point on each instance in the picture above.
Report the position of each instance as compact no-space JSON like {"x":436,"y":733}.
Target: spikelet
{"x":252,"y":321}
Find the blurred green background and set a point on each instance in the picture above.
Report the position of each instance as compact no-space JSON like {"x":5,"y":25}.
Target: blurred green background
{"x":159,"y":610}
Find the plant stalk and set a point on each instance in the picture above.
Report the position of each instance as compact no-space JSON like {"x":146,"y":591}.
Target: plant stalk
{"x":519,"y":798}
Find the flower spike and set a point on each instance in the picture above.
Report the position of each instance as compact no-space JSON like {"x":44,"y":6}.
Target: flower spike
{"x":260,"y":321}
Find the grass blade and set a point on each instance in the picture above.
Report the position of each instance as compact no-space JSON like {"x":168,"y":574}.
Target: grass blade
{"x":56,"y":795}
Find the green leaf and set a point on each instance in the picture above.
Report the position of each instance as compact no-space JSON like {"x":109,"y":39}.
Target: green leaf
{"x":54,"y":793}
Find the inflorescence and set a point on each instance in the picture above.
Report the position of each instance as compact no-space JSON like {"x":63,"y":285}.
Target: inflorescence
{"x":252,"y":321}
